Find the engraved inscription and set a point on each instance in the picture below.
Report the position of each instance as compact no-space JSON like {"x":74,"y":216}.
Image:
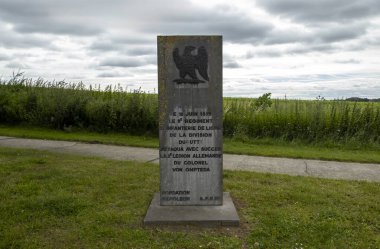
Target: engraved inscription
{"x":191,"y":150}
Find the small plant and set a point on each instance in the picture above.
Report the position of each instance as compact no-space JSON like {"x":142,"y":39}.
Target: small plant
{"x":320,"y":98}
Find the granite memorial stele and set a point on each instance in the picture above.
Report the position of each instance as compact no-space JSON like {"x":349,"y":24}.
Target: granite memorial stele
{"x":190,"y":92}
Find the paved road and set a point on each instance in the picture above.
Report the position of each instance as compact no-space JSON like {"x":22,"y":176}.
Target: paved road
{"x":302,"y":167}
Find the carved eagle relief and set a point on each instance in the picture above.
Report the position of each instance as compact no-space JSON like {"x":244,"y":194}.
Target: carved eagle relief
{"x":190,"y":62}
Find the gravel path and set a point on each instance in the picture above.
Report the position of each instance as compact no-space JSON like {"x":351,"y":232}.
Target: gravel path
{"x":301,"y":167}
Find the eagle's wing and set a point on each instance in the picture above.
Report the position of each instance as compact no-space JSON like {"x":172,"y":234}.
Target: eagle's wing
{"x":202,"y":62}
{"x":177,"y":59}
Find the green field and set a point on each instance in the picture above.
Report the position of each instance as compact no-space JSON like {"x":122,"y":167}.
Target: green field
{"x":65,"y":106}
{"x":50,"y":200}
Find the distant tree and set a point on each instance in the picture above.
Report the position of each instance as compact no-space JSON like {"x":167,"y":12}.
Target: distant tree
{"x":358,"y":99}
{"x":263,"y":102}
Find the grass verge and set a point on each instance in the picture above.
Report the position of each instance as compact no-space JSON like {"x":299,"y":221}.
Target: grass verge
{"x":263,"y":147}
{"x":49,"y":200}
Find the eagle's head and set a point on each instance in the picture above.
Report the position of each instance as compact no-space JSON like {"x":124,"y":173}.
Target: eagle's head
{"x":188,"y":50}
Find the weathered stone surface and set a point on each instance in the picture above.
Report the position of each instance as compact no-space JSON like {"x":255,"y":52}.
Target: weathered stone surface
{"x":224,"y":215}
{"x":190,"y":119}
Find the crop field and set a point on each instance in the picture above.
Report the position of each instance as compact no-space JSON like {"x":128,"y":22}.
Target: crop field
{"x":307,"y":120}
{"x":66,"y":106}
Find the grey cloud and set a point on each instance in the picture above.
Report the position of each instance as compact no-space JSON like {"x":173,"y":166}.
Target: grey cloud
{"x":306,"y":48}
{"x":135,"y":39}
{"x":142,"y":70}
{"x":17,"y":65}
{"x":4,"y":57}
{"x":112,"y":74}
{"x":306,"y":78}
{"x":123,"y":18}
{"x":324,"y":39}
{"x":264,"y":53}
{"x":358,"y":85}
{"x":10,"y":39}
{"x":234,"y":26}
{"x":150,"y":59}
{"x":227,"y":56}
{"x":110,"y":42}
{"x":46,"y":17}
{"x":284,"y":36}
{"x":138,"y":51}
{"x":89,"y":18}
{"x":101,"y":45}
{"x":296,"y":49}
{"x":342,"y":32}
{"x":108,"y":75}
{"x":232,"y":64}
{"x":349,"y":61}
{"x":122,"y":62}
{"x":26,"y":42}
{"x":241,"y":31}
{"x":317,"y":36}
{"x":250,"y":55}
{"x":57,"y":28}
{"x":322,"y":11}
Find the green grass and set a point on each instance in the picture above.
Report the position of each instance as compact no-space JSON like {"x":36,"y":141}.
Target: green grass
{"x":50,"y":200}
{"x":321,"y":151}
{"x":261,"y":147}
{"x":79,"y":135}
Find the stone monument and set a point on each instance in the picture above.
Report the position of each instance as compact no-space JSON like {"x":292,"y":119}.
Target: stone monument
{"x":191,"y":134}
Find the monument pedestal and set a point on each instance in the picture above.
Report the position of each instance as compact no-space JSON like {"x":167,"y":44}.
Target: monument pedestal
{"x":223,"y":215}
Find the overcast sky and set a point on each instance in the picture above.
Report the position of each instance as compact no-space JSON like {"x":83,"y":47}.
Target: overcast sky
{"x":297,"y":48}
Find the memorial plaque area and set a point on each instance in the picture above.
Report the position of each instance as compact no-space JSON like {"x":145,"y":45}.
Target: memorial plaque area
{"x":190,"y":120}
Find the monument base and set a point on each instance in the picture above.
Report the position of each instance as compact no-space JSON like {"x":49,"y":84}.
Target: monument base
{"x":224,"y":215}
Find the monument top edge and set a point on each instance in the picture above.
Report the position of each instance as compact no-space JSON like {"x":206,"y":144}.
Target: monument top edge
{"x":189,"y":36}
